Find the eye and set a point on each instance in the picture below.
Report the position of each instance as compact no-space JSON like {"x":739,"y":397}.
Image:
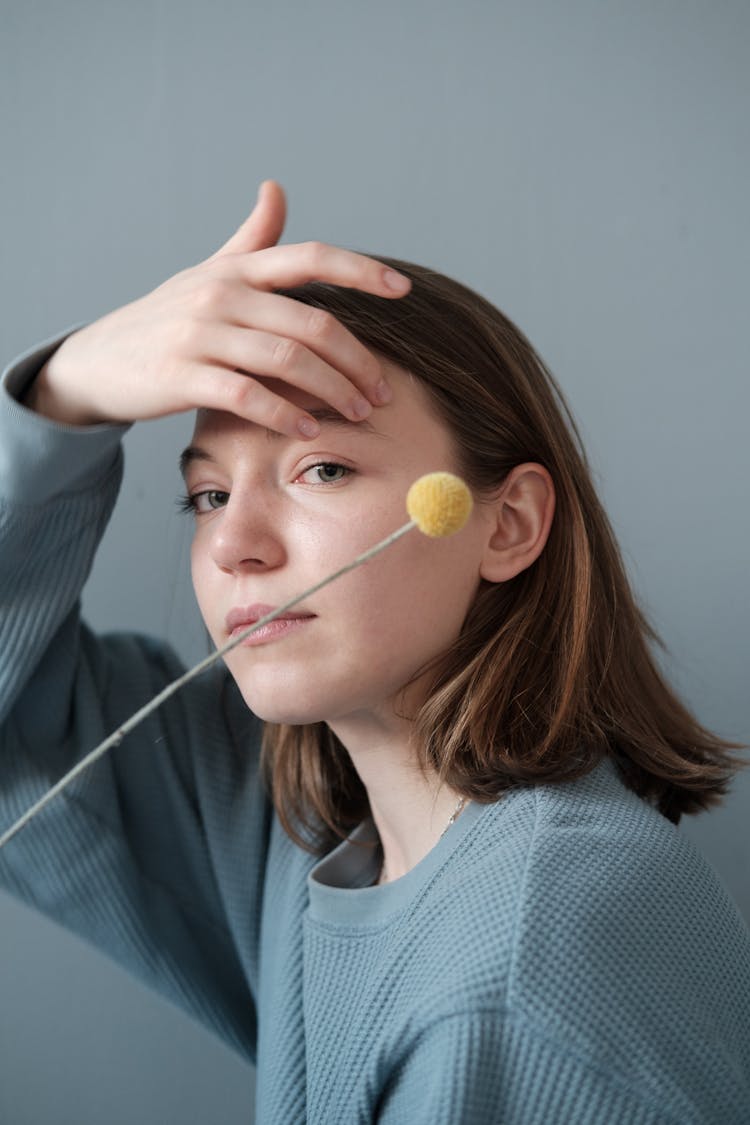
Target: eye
{"x":326,"y":472}
{"x":202,"y":502}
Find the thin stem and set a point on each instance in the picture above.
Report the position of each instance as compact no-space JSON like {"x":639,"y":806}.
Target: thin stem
{"x":137,"y":717}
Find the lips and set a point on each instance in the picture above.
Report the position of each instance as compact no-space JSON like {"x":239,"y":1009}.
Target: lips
{"x":242,"y":617}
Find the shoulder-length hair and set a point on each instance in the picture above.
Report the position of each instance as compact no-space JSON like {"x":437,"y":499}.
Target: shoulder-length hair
{"x":553,"y":670}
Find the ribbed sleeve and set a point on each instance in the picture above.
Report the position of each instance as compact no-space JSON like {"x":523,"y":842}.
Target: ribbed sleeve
{"x":57,"y":488}
{"x":126,"y":856}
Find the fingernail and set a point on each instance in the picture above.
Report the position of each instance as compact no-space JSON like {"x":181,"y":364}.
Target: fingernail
{"x":308,"y":427}
{"x":360,"y":408}
{"x":396,"y":281}
{"x":382,"y":393}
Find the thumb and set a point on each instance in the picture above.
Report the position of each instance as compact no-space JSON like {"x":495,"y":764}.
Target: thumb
{"x":264,"y":225}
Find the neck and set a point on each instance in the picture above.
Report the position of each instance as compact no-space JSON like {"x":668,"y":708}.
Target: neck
{"x":411,"y":808}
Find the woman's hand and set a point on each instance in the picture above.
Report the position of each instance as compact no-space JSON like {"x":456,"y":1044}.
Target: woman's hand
{"x":199,"y":339}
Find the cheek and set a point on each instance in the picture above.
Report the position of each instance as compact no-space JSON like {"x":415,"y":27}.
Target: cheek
{"x":412,"y":598}
{"x":201,"y":573}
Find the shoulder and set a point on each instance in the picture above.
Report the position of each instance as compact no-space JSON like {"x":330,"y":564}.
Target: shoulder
{"x":586,"y":881}
{"x":590,"y":921}
{"x":608,"y":881}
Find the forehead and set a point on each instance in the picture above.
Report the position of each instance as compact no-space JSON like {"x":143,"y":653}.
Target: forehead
{"x":206,"y":419}
{"x":410,"y":410}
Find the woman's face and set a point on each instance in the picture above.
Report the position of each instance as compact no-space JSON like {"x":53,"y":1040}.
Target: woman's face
{"x":275,"y":515}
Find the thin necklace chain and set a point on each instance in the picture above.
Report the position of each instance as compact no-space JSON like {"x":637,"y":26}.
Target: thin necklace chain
{"x":383,"y":877}
{"x":454,"y":815}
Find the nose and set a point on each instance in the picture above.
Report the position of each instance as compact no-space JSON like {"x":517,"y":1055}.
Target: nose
{"x":245,"y":536}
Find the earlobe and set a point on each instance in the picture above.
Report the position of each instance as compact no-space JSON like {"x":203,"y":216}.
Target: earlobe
{"x":519,"y":519}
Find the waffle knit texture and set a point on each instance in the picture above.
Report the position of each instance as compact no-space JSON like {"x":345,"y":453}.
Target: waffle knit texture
{"x":562,"y":955}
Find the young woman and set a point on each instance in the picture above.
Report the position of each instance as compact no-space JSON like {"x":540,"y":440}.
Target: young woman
{"x":450,"y":887}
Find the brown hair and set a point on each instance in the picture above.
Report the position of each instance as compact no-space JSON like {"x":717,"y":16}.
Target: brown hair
{"x":553,"y":670}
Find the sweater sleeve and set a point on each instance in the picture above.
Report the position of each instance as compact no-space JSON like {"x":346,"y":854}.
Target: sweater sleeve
{"x":130,"y":856}
{"x":58,"y":485}
{"x":484,"y":1068}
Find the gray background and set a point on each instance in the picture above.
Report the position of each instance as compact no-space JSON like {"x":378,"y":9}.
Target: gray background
{"x":585,"y":165}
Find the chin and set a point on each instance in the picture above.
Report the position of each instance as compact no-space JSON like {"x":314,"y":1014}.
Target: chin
{"x":300,"y":696}
{"x":281,"y":707}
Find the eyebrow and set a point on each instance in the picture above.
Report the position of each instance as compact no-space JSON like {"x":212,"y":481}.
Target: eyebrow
{"x":323,"y":414}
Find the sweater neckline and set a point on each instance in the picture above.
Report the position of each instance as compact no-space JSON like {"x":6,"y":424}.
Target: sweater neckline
{"x":341,"y":885}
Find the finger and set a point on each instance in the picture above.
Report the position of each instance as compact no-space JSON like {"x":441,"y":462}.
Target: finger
{"x":317,"y":329}
{"x":282,"y":267}
{"x":216,"y":388}
{"x":264,"y":226}
{"x":279,"y":357}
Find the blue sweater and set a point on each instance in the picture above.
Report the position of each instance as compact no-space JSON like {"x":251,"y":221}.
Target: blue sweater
{"x":562,"y":955}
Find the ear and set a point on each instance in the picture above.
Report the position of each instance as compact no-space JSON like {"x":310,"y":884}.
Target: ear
{"x":520,"y":518}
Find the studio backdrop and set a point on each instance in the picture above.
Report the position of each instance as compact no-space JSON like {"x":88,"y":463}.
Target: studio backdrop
{"x":584,"y":165}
